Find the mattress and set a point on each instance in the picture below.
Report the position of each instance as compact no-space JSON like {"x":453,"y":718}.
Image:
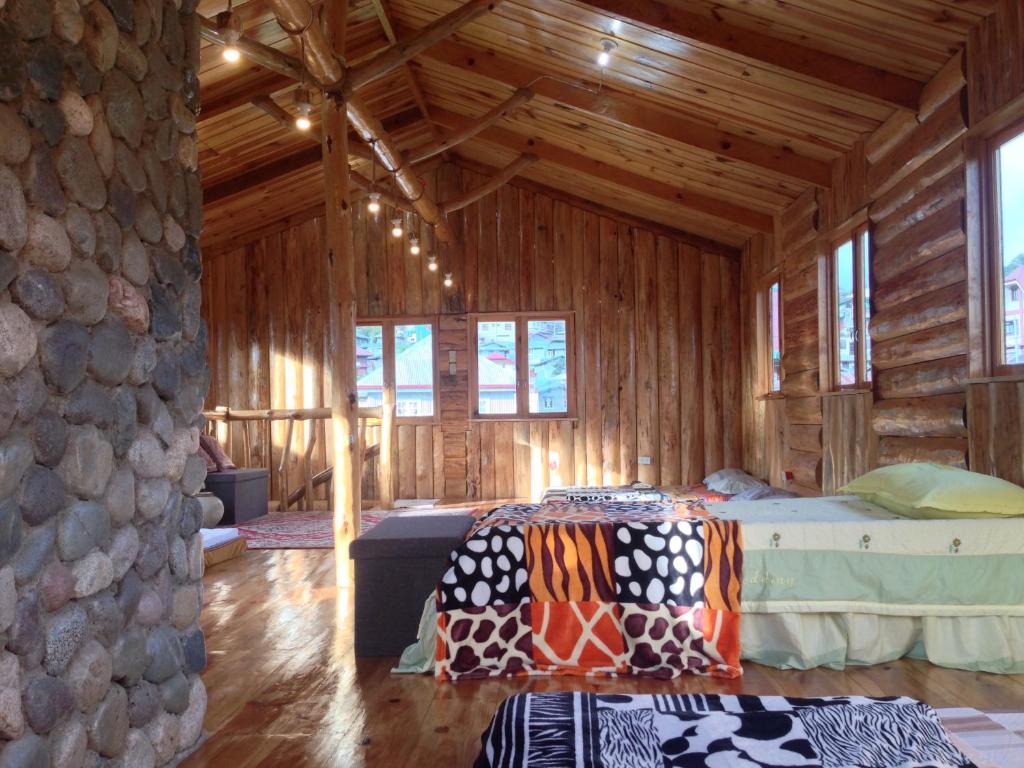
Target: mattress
{"x":842,"y":554}
{"x":221,"y":545}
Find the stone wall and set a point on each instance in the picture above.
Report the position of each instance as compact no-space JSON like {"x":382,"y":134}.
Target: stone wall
{"x":102,"y":378}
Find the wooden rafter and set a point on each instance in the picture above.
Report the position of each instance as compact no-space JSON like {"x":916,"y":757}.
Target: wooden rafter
{"x":493,"y":115}
{"x":402,"y":52}
{"x":808,"y":62}
{"x":498,"y":179}
{"x":550,"y":153}
{"x":295,"y":17}
{"x":636,"y":113}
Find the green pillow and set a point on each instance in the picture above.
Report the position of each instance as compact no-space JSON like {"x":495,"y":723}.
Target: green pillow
{"x":927,"y":491}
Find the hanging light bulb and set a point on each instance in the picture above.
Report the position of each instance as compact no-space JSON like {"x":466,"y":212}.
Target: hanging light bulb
{"x":447,"y":279}
{"x":303,"y":108}
{"x":396,"y":227}
{"x":414,"y":245}
{"x":373,"y":206}
{"x":229,"y":25}
{"x":605,"y":56}
{"x":432,"y":263}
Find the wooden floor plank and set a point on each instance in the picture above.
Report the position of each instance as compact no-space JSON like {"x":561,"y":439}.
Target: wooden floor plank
{"x":285,"y":688}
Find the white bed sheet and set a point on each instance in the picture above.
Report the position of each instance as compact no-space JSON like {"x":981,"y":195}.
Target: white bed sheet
{"x":214,"y":537}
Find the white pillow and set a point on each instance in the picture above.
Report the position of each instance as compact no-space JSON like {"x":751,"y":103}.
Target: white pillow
{"x":731,"y":481}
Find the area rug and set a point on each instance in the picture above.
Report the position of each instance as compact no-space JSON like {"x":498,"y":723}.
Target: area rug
{"x":313,"y":530}
{"x":990,"y":739}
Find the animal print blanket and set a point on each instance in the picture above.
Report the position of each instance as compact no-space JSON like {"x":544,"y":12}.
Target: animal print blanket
{"x":587,"y":730}
{"x":621,"y":588}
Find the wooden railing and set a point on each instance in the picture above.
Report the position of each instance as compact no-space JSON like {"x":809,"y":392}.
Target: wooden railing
{"x":256,"y":426}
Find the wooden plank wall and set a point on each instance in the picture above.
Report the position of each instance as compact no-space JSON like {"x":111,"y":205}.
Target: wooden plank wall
{"x":657,"y":340}
{"x":910,"y":178}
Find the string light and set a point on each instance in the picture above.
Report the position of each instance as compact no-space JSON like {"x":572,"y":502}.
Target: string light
{"x":229,"y":24}
{"x":432,"y":263}
{"x":605,"y":56}
{"x":414,"y":245}
{"x":396,"y":227}
{"x":303,"y":108}
{"x":447,"y":279}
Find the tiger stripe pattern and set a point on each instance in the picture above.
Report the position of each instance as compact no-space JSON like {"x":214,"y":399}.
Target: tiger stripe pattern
{"x":723,"y":565}
{"x":570,"y":563}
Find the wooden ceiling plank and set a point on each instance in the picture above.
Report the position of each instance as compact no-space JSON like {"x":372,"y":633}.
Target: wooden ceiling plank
{"x":845,"y":73}
{"x":628,"y":110}
{"x":551,"y":153}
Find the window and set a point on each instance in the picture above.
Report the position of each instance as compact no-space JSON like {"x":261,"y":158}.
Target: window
{"x":1006,"y":244}
{"x":521,"y":366}
{"x":850,"y":275}
{"x":395,"y":359}
{"x":771,"y":335}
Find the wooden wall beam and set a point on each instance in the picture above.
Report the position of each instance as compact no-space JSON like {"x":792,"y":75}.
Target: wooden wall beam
{"x":705,"y":244}
{"x":400,"y":53}
{"x":637,"y":113}
{"x":498,"y":179}
{"x":720,"y":209}
{"x":493,"y":115}
{"x":848,"y":74}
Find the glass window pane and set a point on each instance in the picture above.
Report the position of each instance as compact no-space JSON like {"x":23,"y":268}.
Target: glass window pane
{"x":846,"y":329}
{"x":414,"y":370}
{"x":496,"y":367}
{"x":549,"y":389}
{"x":776,"y":336}
{"x":865,"y":250}
{"x":1011,"y":220}
{"x":369,"y":365}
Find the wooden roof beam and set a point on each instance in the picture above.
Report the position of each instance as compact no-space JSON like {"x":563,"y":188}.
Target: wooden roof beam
{"x":498,"y":179}
{"x":848,"y":74}
{"x":493,"y":115}
{"x":720,"y":209}
{"x":402,"y":52}
{"x":633,"y":112}
{"x":296,"y":17}
{"x":258,"y":53}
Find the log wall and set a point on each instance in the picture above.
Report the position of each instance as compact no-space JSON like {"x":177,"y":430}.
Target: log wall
{"x":657,"y":340}
{"x":911,"y":179}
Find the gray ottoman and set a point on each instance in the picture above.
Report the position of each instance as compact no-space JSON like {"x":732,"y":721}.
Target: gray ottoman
{"x":398,"y":563}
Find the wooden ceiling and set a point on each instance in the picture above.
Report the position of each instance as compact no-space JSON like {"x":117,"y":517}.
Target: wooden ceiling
{"x":712,"y":117}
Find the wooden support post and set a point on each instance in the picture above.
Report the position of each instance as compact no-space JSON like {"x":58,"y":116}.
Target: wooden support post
{"x":346,"y":501}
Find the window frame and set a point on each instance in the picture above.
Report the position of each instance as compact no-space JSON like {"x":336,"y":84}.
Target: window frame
{"x":390,"y":390}
{"x":520,"y":321}
{"x":856,"y":233}
{"x":765,"y":333}
{"x":994,"y":299}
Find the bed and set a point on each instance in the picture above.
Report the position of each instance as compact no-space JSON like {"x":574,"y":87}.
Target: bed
{"x":616,"y":588}
{"x":221,"y":545}
{"x":591,"y":730}
{"x":836,"y":580}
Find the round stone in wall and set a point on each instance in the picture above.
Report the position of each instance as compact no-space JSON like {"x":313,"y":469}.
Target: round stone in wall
{"x":108,"y":726}
{"x":41,"y":495}
{"x":68,"y":23}
{"x":125,"y":302}
{"x":124,"y":108}
{"x":84,"y":526}
{"x":110,"y":354}
{"x":41,"y":182}
{"x":46,"y":701}
{"x":37,"y":293}
{"x":13,"y":211}
{"x":15,"y":143}
{"x":63,"y":637}
{"x":89,"y":675}
{"x":134,"y":259}
{"x":86,"y":292}
{"x":17,"y":340}
{"x":87,"y":463}
{"x":29,"y":751}
{"x":100,"y":37}
{"x":80,"y":174}
{"x":48,"y":244}
{"x":64,"y":354}
{"x":81,"y":229}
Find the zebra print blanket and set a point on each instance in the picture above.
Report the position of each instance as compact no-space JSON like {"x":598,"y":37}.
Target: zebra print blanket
{"x":586,"y":730}
{"x":618,"y":588}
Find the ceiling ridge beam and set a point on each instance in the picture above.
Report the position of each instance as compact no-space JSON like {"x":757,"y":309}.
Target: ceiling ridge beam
{"x":551,"y":153}
{"x":634,"y":112}
{"x":851,"y":75}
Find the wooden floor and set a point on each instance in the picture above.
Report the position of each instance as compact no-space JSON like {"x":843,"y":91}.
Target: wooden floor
{"x":286,"y":690}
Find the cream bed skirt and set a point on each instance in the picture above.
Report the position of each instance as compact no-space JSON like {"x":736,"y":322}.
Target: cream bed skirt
{"x":806,"y":640}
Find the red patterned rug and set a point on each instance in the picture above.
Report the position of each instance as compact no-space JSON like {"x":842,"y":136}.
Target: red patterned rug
{"x":313,"y":530}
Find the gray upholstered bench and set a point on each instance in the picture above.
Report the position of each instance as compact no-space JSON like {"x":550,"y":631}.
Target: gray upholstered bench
{"x":398,"y":563}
